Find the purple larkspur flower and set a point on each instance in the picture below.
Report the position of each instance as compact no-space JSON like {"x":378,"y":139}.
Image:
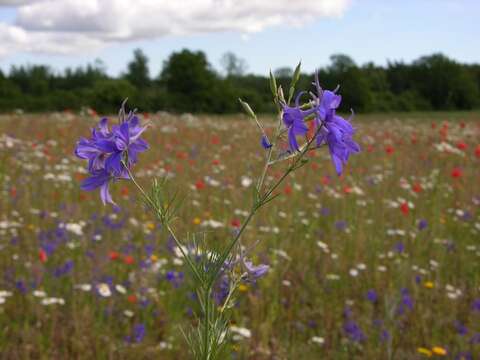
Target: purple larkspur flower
{"x":325,"y":211}
{"x":175,"y":278}
{"x":372,"y":296}
{"x":125,"y":141}
{"x":384,"y":335}
{"x":476,"y":305}
{"x":20,"y":285}
{"x":341,"y":225}
{"x":138,"y":334}
{"x":399,"y":247}
{"x":406,"y":302}
{"x":462,"y":330}
{"x":222,"y":289}
{"x":88,"y":149}
{"x":475,"y":339}
{"x":99,"y":179}
{"x":333,"y":129}
{"x":108,"y":150}
{"x":464,"y":355}
{"x":422,"y":224}
{"x":418,"y":279}
{"x":255,"y":272}
{"x":265,"y":142}
{"x":353,"y":331}
{"x":294,"y":121}
{"x":63,"y":269}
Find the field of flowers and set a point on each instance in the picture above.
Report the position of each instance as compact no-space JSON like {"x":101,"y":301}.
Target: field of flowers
{"x":380,"y":263}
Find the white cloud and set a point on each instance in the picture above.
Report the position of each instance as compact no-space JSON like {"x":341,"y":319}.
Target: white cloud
{"x":15,"y":39}
{"x":16,"y":2}
{"x":69,"y":26}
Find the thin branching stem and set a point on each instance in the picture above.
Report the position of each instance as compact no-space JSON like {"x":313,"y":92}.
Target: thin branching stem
{"x":157,"y":211}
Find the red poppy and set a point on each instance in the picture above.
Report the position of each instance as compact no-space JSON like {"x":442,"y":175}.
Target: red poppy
{"x":128,"y":259}
{"x":200,"y":185}
{"x":461,"y":145}
{"x":132,"y":298}
{"x":42,"y":255}
{"x":181,"y":155}
{"x":235,"y":223}
{"x":215,"y":140}
{"x":456,"y":173}
{"x":113,"y":255}
{"x":287,"y":190}
{"x":417,"y":187}
{"x":404,"y":208}
{"x":477,"y":151}
{"x":124,"y":191}
{"x":347,"y":189}
{"x":216,"y":162}
{"x":389,"y":149}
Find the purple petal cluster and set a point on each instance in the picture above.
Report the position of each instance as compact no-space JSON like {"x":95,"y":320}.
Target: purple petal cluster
{"x":108,"y":151}
{"x":294,"y":120}
{"x":255,"y":271}
{"x":331,"y":129}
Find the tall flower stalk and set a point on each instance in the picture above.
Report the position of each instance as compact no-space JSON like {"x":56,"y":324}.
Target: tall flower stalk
{"x":113,"y":153}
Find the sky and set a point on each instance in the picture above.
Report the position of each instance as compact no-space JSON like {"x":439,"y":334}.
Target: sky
{"x":267,"y":34}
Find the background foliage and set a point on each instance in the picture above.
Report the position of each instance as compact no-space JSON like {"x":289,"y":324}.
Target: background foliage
{"x":188,"y":83}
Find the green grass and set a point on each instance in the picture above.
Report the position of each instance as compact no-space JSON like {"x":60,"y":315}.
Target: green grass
{"x":299,"y":298}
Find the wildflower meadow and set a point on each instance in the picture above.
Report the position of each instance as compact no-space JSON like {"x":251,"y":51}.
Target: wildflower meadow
{"x":308,"y":234}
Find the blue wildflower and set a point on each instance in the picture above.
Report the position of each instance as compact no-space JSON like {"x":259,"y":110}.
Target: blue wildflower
{"x":464,"y":355}
{"x":255,"y":272}
{"x":107,"y":151}
{"x":422,"y":224}
{"x":461,"y":328}
{"x":476,"y":305}
{"x":384,"y":335}
{"x":372,"y":296}
{"x":222,"y":289}
{"x":293,"y":118}
{"x":353,"y":331}
{"x":265,"y":142}
{"x":399,"y":247}
{"x":475,"y":339}
{"x":406,"y":302}
{"x":63,"y":269}
{"x":333,"y":130}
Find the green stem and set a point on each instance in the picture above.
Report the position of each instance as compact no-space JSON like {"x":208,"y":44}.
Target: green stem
{"x":206,"y":324}
{"x":230,"y":293}
{"x":262,"y":201}
{"x":167,"y":226}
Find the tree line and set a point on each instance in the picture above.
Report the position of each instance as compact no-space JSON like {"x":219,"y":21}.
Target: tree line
{"x":188,"y":83}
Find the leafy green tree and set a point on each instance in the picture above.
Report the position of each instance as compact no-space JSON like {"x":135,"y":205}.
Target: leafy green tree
{"x":189,"y":81}
{"x":444,"y":82}
{"x":138,"y":73}
{"x":355,"y":88}
{"x":106,"y":95}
